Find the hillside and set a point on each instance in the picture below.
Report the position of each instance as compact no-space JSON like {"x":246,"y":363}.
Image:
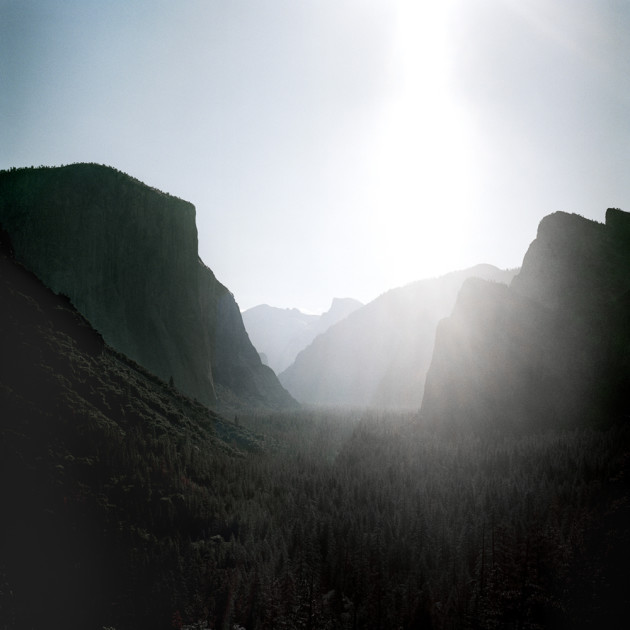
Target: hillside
{"x":126,"y":255}
{"x":104,"y":469}
{"x":279,"y":334}
{"x":379,"y":355}
{"x":554,"y":347}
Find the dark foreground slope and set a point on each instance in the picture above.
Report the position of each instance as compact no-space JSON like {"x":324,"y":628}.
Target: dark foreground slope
{"x":126,"y":255}
{"x":554,"y":347}
{"x":108,"y":474}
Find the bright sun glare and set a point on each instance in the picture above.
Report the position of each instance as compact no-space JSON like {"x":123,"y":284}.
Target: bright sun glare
{"x":423,"y":177}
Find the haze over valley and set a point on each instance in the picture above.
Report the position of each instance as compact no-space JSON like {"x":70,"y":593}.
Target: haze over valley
{"x":378,"y":355}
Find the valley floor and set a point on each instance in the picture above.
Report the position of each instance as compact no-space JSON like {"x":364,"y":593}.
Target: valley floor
{"x":340,"y":521}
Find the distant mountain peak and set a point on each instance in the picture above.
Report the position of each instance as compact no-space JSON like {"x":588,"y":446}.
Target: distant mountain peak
{"x":345,"y":304}
{"x":281,"y":333}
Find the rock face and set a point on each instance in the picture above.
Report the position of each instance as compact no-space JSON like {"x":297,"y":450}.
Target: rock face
{"x":554,"y":347}
{"x":126,"y":256}
{"x":379,"y":355}
{"x":281,"y":333}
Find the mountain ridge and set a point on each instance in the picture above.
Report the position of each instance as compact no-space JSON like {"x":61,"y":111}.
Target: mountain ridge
{"x":280,"y":334}
{"x":379,"y":355}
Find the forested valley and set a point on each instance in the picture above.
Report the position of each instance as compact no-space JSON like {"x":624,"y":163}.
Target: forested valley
{"x":375,"y":522}
{"x":324,"y":520}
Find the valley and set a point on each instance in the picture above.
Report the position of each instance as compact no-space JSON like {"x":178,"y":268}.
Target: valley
{"x":486,"y":487}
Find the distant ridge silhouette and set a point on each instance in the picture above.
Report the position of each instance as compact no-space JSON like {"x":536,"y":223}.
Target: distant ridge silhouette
{"x":281,"y":333}
{"x":379,"y":355}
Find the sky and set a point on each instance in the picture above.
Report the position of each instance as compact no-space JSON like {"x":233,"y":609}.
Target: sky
{"x":332,"y":148}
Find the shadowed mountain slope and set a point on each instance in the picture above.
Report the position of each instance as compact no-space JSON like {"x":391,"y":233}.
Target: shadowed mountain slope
{"x":554,"y":347}
{"x":105,"y":470}
{"x":126,"y":255}
{"x":281,"y":333}
{"x":379,"y":355}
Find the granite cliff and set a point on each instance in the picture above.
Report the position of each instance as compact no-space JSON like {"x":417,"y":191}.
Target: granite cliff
{"x":554,"y":347}
{"x":126,"y":256}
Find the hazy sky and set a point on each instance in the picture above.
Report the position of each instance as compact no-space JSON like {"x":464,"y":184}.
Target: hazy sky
{"x":332,"y":147}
